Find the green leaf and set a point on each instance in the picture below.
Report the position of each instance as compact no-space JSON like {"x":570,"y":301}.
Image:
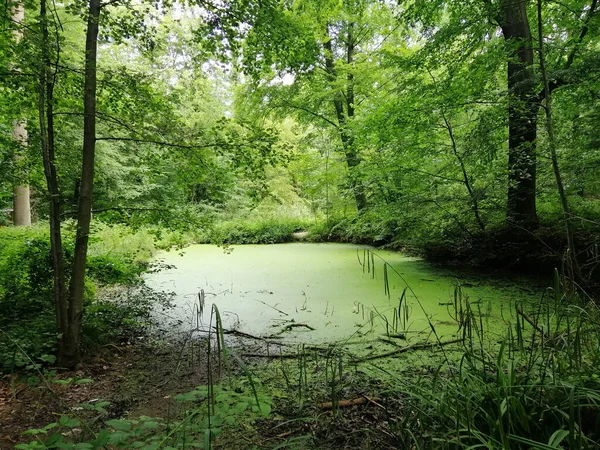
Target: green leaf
{"x":150,"y":425}
{"x":153,"y":446}
{"x":223,"y":397}
{"x":263,"y":408}
{"x":532,"y":444}
{"x":34,"y":432}
{"x":48,"y":358}
{"x":68,"y":421}
{"x":102,"y":438}
{"x":122,"y":425}
{"x":118,"y":437}
{"x":557,"y":437}
{"x":189,"y":396}
{"x":35,"y":445}
{"x":240,"y":407}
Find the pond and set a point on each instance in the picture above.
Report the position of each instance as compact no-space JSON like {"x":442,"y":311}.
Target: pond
{"x":323,"y":293}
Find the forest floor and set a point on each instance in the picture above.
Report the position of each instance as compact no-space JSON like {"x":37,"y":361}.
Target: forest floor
{"x":137,"y":379}
{"x":142,"y":379}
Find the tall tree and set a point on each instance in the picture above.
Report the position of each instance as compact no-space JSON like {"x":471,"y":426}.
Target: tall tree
{"x":343,"y":101}
{"x":68,"y":302}
{"x":69,"y":350}
{"x":21,"y":192}
{"x":320,"y":45}
{"x":522,"y":113}
{"x":47,"y":77}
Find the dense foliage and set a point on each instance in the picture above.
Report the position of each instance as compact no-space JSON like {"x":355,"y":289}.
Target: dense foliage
{"x":27,"y":323}
{"x":403,"y":111}
{"x":464,"y":130}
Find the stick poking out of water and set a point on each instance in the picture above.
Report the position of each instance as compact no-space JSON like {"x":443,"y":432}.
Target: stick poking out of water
{"x":289,"y":327}
{"x":272,"y":307}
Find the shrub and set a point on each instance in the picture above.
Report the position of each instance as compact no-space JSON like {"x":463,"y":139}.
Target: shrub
{"x":108,"y":269}
{"x":257,"y":231}
{"x":27,"y":322}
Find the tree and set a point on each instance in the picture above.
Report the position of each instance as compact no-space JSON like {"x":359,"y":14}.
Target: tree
{"x":344,"y":105}
{"x":141,"y":120}
{"x":21,"y":194}
{"x":69,"y":349}
{"x":68,"y":302}
{"x":319,"y":45}
{"x":522,"y":113}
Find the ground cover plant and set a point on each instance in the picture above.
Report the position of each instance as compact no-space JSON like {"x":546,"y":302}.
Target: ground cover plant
{"x":257,"y":231}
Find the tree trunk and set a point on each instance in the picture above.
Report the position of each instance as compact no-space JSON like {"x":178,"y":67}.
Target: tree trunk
{"x":522,"y":115}
{"x":46,"y":117}
{"x":21,"y":194}
{"x":352,"y":157}
{"x":69,"y":351}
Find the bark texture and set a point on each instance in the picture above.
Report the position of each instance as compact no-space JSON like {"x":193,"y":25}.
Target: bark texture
{"x":352,"y":156}
{"x":21,"y":193}
{"x":522,"y":115}
{"x":69,"y":351}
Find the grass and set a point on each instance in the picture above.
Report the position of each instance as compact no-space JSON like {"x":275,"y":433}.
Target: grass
{"x":537,"y":387}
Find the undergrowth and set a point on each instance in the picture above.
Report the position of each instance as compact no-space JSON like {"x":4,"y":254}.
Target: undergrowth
{"x":117,"y":256}
{"x":205,"y":412}
{"x":254,"y":231}
{"x":535,"y":387}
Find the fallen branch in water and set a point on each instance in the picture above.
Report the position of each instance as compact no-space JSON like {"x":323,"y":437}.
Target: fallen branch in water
{"x":348,"y":403}
{"x":271,"y":355}
{"x":397,"y":336}
{"x":242,"y":334}
{"x":257,"y":338}
{"x":306,"y":349}
{"x":530,"y":321}
{"x":289,"y":327}
{"x":422,"y":346}
{"x":272,"y":307}
{"x":387,"y":341}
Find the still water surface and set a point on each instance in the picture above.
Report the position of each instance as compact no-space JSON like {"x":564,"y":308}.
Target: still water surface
{"x":259,"y":289}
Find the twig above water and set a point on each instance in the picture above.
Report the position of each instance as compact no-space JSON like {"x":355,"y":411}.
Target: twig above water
{"x":272,"y":307}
